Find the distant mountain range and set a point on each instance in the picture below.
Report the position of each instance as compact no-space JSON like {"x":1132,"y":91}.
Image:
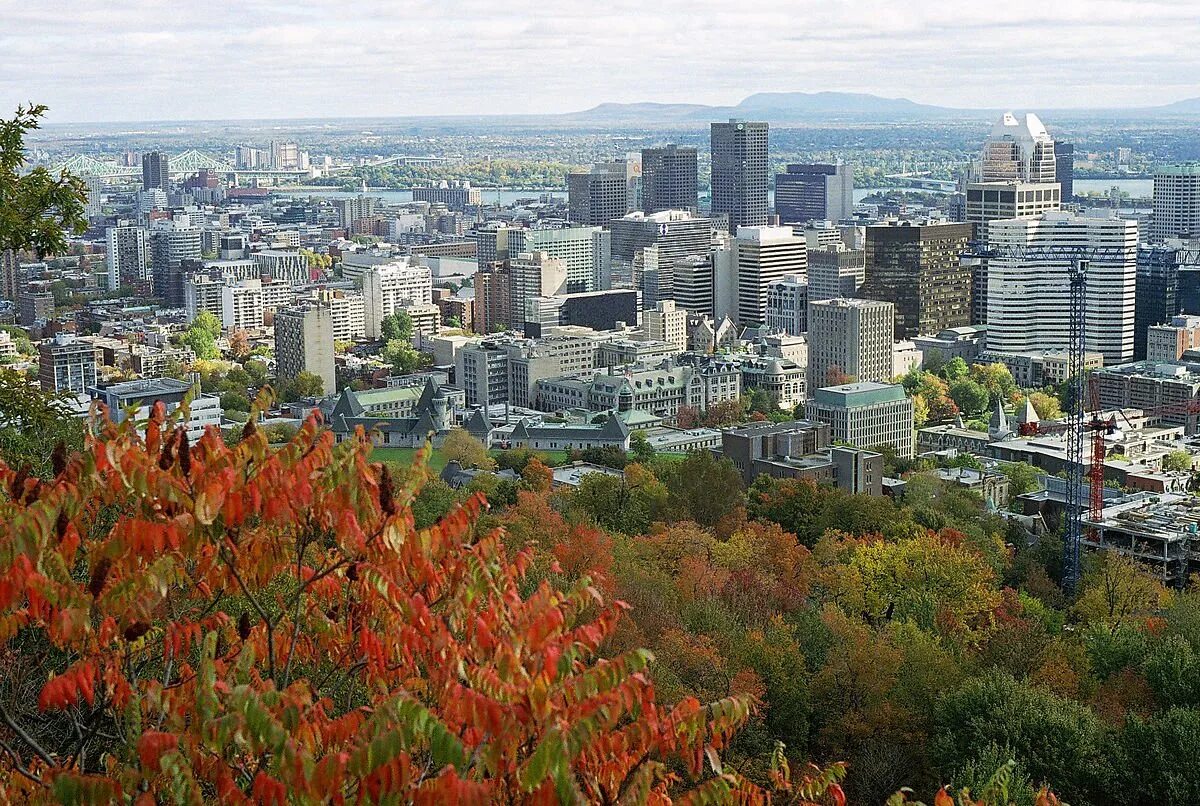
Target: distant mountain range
{"x":827,"y":107}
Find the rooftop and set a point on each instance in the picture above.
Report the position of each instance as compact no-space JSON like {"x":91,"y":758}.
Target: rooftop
{"x":862,"y":393}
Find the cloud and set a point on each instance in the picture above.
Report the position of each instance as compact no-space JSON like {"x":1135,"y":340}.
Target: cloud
{"x":260,"y":58}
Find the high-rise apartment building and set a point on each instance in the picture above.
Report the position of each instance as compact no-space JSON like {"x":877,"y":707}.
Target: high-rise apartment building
{"x":918,"y":268}
{"x":740,"y":170}
{"x":172,"y":241}
{"x":353,"y":209}
{"x":835,"y":271}
{"x":669,"y":178}
{"x":242,"y":305}
{"x":348,"y":311}
{"x":386,"y":286}
{"x":67,"y":364}
{"x":156,"y":171}
{"x":606,"y":192}
{"x":127,"y":258}
{"x":493,"y":297}
{"x":1029,"y":291}
{"x":761,"y":256}
{"x":202,"y":292}
{"x":849,"y":338}
{"x":1166,"y":343}
{"x":818,"y":191}
{"x":1176,"y":202}
{"x":304,"y":343}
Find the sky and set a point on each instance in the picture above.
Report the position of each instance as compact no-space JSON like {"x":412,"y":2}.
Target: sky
{"x":153,"y":60}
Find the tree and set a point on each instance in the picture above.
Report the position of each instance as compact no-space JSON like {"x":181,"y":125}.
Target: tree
{"x":209,"y":323}
{"x":997,"y":381}
{"x":1022,"y":478}
{"x":1046,"y":406}
{"x":955,"y":369}
{"x":403,"y":357}
{"x":641,"y":449}
{"x":305,"y":384}
{"x":1177,"y":460}
{"x":397,"y":326}
{"x":239,"y":344}
{"x":37,"y":209}
{"x":606,"y":455}
{"x":1117,"y":590}
{"x":202,"y":336}
{"x":248,"y":623}
{"x":704,"y":489}
{"x":33,"y":423}
{"x":235,"y":401}
{"x":459,"y":446}
{"x":969,"y":396}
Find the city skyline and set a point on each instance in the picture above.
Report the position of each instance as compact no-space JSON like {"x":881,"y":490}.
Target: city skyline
{"x":260,"y":61}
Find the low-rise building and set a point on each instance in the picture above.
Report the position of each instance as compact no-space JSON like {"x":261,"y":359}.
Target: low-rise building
{"x":137,"y":398}
{"x":865,"y":415}
{"x":801,"y":449}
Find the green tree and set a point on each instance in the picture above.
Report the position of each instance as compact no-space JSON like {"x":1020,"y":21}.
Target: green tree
{"x":459,"y":446}
{"x":305,"y":384}
{"x":235,"y":401}
{"x":1177,"y":460}
{"x":969,"y":395}
{"x":1156,"y":759}
{"x":955,"y":369}
{"x":33,"y":423}
{"x":208,"y":322}
{"x":37,"y":209}
{"x":1022,"y":478}
{"x":397,"y":327}
{"x":1046,"y":405}
{"x":403,"y":357}
{"x":641,"y":449}
{"x":704,"y":489}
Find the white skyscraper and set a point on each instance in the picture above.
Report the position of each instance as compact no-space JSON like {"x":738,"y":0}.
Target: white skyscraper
{"x":1029,"y":296}
{"x":1176,"y":202}
{"x":762,"y":256}
{"x":1018,"y":150}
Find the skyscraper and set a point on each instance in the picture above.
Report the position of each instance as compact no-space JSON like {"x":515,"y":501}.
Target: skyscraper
{"x":304,"y":343}
{"x":606,"y":192}
{"x":1064,"y":168}
{"x":669,"y":178}
{"x":579,"y":247}
{"x":172,"y":241}
{"x":740,"y":169}
{"x":533,"y":274}
{"x":127,"y":258}
{"x":387,"y":287}
{"x":814,"y":192}
{"x":1016,"y":179}
{"x":849,"y":338}
{"x":155,"y":171}
{"x":1176,"y":202}
{"x":919,"y":270}
{"x":1029,"y":295}
{"x":762,"y":256}
{"x":1157,"y":295}
{"x":835,"y":271}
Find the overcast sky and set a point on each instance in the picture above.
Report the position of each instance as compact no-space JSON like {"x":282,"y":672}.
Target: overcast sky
{"x":154,"y":60}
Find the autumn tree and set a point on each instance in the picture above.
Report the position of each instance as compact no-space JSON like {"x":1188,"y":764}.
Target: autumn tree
{"x":459,"y":446}
{"x":199,"y":621}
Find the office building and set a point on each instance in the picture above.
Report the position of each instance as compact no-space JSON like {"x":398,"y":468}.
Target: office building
{"x":740,"y":171}
{"x":760,"y":256}
{"x":457,"y":196}
{"x":304,"y":343}
{"x":172,"y":241}
{"x":849,"y":338}
{"x":666,"y":322}
{"x":835,"y":271}
{"x":67,"y":364}
{"x":1159,"y":296}
{"x":156,"y":171}
{"x":386,"y":286}
{"x":584,"y":250}
{"x":1064,"y":169}
{"x":597,"y":310}
{"x":693,"y":284}
{"x":918,"y":268}
{"x":1176,"y":202}
{"x":606,"y":192}
{"x":127,"y":258}
{"x":814,"y":192}
{"x":1018,"y":150}
{"x":669,"y":178}
{"x":1029,"y":295}
{"x":286,"y":265}
{"x":203,"y":410}
{"x":1168,"y":342}
{"x":787,"y":306}
{"x":865,"y":415}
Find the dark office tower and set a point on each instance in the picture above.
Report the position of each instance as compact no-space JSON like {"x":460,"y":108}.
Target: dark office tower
{"x":155,"y":171}
{"x":606,"y":192}
{"x":739,"y":173}
{"x":1160,"y":293}
{"x":669,"y":178}
{"x":820,"y":192}
{"x":1064,"y":168}
{"x":917,"y":269}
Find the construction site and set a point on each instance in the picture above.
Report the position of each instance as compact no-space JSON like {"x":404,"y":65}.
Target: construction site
{"x":1162,"y":532}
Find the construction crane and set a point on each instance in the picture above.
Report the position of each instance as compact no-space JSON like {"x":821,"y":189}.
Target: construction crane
{"x":1079,"y":427}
